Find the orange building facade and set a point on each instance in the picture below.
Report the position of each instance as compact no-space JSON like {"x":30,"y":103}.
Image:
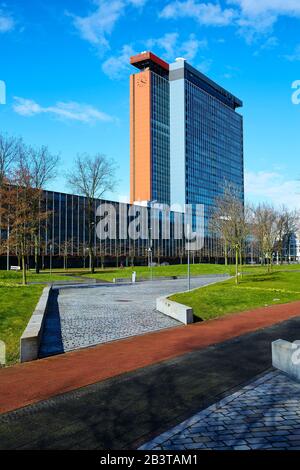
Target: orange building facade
{"x":140,"y":137}
{"x":143,"y":88}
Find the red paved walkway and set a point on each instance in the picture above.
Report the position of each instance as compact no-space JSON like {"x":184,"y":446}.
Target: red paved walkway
{"x":27,"y":383}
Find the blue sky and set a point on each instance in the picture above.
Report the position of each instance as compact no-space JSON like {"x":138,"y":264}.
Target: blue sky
{"x":65,"y":65}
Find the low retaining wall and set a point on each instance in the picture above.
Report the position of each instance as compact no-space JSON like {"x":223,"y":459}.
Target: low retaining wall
{"x":31,"y":337}
{"x":180,"y":312}
{"x":286,"y":357}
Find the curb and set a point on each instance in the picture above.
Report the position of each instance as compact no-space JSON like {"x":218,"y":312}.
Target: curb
{"x":31,"y":337}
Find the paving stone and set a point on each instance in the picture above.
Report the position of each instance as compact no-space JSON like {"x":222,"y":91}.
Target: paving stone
{"x":235,"y":442}
{"x":261,"y":446}
{"x":241,"y":448}
{"x":277,"y":438}
{"x":262,"y":415}
{"x":203,"y":439}
{"x":196,"y":445}
{"x":85,"y":316}
{"x":279,"y":446}
{"x":293,"y":437}
{"x":280,"y":433}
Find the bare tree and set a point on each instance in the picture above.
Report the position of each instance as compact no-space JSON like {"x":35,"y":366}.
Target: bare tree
{"x":229,"y":221}
{"x":67,"y":250}
{"x":92,"y":177}
{"x":42,"y":166}
{"x":19,"y":198}
{"x":265,"y":230}
{"x":9,"y":148}
{"x":281,"y":222}
{"x":291,"y":227}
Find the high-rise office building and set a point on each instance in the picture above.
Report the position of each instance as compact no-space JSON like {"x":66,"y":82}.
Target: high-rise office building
{"x":186,"y":136}
{"x":206,"y":139}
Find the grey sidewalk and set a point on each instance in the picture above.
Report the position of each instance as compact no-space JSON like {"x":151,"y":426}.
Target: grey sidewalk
{"x":262,"y":415}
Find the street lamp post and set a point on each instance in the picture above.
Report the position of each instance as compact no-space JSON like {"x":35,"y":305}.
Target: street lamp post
{"x":189,"y":271}
{"x":50,"y":248}
{"x":7,"y":250}
{"x":91,"y":243}
{"x":150,"y":262}
{"x":150,"y":255}
{"x":189,"y":264}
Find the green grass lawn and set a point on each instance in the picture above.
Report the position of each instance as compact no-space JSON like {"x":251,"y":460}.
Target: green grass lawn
{"x":14,"y":278}
{"x":16,"y":307}
{"x":108,"y":274}
{"x":255,"y":290}
{"x":157,"y":271}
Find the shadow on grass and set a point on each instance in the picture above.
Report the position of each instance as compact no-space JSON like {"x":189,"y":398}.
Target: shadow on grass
{"x":273,"y":276}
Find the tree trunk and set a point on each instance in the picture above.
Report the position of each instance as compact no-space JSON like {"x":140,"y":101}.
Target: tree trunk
{"x":268,"y":265}
{"x":92,"y":264}
{"x":36,"y":254}
{"x":226,"y":253}
{"x":236,"y":266}
{"x":24,"y":275}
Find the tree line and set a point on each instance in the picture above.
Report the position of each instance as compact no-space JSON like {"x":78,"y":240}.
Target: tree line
{"x":267,"y":228}
{"x":25,"y":172}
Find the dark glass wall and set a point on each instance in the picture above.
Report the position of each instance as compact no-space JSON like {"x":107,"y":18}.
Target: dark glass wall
{"x":160,"y":138}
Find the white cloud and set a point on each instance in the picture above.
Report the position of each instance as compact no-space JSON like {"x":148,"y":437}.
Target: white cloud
{"x":189,"y":48}
{"x":99,"y":24}
{"x":138,"y":3}
{"x":71,"y":110}
{"x":272,"y":187}
{"x":261,"y":7}
{"x":7,"y":23}
{"x":172,"y":47}
{"x":252,"y":18}
{"x":259,"y":17}
{"x":166,"y":43}
{"x":205,"y":13}
{"x":205,"y":65}
{"x":115,"y":66}
{"x":295,"y":56}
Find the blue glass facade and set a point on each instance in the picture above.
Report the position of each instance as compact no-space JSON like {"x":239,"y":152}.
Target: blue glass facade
{"x":206,"y":139}
{"x":160,"y":139}
{"x":214,"y":148}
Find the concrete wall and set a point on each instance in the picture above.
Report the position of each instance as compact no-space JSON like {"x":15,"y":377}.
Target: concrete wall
{"x":286,"y":357}
{"x":31,"y":337}
{"x":180,"y":312}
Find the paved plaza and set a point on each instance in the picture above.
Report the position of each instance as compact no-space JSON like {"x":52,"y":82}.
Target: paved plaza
{"x":263,"y":415}
{"x":84,"y":316}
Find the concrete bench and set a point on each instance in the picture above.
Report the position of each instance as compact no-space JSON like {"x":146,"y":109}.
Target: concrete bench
{"x":286,"y":357}
{"x":180,"y":312}
{"x":31,"y":337}
{"x":121,"y":279}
